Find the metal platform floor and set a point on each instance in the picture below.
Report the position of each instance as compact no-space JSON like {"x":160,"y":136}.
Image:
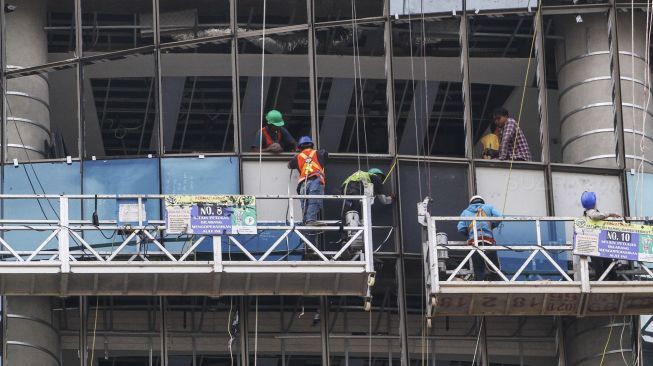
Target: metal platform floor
{"x":310,"y":278}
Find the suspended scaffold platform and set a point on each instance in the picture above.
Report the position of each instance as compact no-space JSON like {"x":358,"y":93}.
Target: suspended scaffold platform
{"x":69,"y":255}
{"x":537,"y":273}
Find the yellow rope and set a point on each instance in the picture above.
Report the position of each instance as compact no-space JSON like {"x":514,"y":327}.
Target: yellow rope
{"x":390,"y":171}
{"x":605,"y":349}
{"x":521,"y":105}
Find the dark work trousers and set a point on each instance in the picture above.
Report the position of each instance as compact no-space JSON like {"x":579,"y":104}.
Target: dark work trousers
{"x":482,"y":270}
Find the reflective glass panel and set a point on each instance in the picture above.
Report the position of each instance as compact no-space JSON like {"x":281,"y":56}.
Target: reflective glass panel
{"x":186,"y":20}
{"x":41,"y":178}
{"x":42,"y":118}
{"x":197,"y":98}
{"x":120,"y":107}
{"x":352,"y":103}
{"x":278,"y":13}
{"x":280,"y":83}
{"x":127,"y":176}
{"x":428,"y":87}
{"x":502,"y":69}
{"x":109,"y":26}
{"x":326,"y":11}
{"x":416,"y":183}
{"x":580,"y":90}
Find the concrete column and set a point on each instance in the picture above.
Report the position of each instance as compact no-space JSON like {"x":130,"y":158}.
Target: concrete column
{"x":32,"y":339}
{"x":585,"y":85}
{"x":27,"y":97}
{"x":586,"y":338}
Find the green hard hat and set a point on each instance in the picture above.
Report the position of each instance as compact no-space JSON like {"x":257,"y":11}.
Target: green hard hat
{"x":375,"y":171}
{"x":274,"y":117}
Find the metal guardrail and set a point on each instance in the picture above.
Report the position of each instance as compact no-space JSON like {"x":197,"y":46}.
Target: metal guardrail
{"x":67,"y":241}
{"x":570,"y":285}
{"x":578,"y":265}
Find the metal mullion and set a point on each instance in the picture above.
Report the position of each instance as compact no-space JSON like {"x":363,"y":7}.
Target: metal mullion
{"x":542,"y":87}
{"x":3,"y":80}
{"x":400,"y":278}
{"x":83,"y":331}
{"x":617,"y":101}
{"x":81,"y":134}
{"x":158,"y":77}
{"x":390,"y":88}
{"x":235,"y":82}
{"x":243,"y":309}
{"x":467,"y":95}
{"x":616,"y":85}
{"x":312,"y":73}
{"x":324,"y":328}
{"x":163,"y":331}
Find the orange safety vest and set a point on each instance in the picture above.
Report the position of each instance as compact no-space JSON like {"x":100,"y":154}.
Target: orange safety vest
{"x":268,"y":139}
{"x":309,"y":166}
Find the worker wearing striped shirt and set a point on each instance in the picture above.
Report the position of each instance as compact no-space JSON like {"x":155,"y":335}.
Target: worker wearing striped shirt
{"x":513,"y":144}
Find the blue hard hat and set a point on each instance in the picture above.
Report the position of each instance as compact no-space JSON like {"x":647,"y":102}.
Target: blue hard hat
{"x":305,"y":140}
{"x":588,"y":200}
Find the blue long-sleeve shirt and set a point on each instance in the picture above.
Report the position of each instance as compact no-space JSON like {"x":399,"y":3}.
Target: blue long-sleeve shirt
{"x":483,"y":227}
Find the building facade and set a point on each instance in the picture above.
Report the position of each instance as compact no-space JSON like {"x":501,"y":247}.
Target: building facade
{"x":166,"y":97}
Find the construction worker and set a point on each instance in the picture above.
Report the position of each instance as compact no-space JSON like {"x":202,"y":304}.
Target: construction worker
{"x":490,"y":142}
{"x":513,"y":144}
{"x":479,"y":209}
{"x":368,"y":183}
{"x":600,"y":265}
{"x":310,"y":164}
{"x":275,"y":138}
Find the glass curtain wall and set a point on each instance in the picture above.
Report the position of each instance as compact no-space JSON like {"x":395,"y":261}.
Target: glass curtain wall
{"x":160,"y":88}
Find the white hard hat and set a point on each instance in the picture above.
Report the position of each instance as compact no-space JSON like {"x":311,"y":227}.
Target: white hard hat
{"x":477,"y":197}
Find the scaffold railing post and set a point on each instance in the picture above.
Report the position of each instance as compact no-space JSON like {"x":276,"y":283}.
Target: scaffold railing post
{"x":367,"y":222}
{"x":64,"y":235}
{"x":217,"y":253}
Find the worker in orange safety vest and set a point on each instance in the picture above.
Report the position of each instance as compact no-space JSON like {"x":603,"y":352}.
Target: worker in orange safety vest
{"x":310,"y":164}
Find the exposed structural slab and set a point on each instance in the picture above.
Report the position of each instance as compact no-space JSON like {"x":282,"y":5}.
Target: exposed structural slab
{"x":536,"y":298}
{"x":293,"y":278}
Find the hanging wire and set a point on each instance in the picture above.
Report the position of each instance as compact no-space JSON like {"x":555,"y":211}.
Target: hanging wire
{"x":605,"y":349}
{"x":478,"y":339}
{"x":361,"y":85}
{"x":354,"y":29}
{"x":427,"y":150}
{"x":260,"y":139}
{"x":621,"y":341}
{"x":231,"y":336}
{"x":97,"y":305}
{"x":521,"y":103}
{"x":412,"y":82}
{"x":369,"y":340}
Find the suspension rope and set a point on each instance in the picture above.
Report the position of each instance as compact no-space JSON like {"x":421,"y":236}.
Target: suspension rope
{"x":361,"y":85}
{"x":427,"y":150}
{"x":521,"y":104}
{"x":605,"y":349}
{"x":97,"y":305}
{"x":412,"y":82}
{"x":260,"y":140}
{"x":354,"y":30}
